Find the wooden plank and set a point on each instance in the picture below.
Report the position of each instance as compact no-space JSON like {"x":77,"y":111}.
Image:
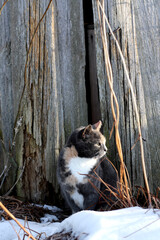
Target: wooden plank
{"x":138,"y":38}
{"x":54,"y":101}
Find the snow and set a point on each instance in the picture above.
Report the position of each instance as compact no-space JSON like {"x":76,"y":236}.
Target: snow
{"x":130,"y":223}
{"x":7,"y":232}
{"x":48,"y":207}
{"x":48,"y":218}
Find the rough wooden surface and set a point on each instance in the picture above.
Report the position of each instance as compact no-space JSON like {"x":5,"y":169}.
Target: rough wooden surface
{"x":53,"y":102}
{"x":139,"y":40}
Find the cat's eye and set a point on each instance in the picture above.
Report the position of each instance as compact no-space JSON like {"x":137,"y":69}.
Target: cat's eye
{"x":99,"y":144}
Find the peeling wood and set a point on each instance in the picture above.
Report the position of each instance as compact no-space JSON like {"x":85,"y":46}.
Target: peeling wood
{"x":54,"y":102}
{"x":55,"y":95}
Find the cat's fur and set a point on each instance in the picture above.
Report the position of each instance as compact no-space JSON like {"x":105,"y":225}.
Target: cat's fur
{"x":78,"y":159}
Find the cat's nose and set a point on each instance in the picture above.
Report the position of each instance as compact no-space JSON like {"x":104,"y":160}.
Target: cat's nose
{"x":105,"y":148}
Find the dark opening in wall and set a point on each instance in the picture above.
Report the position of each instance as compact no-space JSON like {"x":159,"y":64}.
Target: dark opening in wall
{"x":94,"y":114}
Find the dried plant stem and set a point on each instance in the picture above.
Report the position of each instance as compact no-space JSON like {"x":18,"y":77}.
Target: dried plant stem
{"x":27,"y":58}
{"x":5,"y":172}
{"x":15,"y":231}
{"x":142,"y":228}
{"x":13,"y":217}
{"x":31,"y":42}
{"x":20,"y":175}
{"x":3,"y":6}
{"x":114,"y":99}
{"x":133,"y":100}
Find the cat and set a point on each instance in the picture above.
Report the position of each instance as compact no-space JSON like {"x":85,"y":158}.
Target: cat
{"x":75,"y":172}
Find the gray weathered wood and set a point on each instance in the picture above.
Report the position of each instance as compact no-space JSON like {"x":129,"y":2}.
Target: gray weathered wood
{"x":54,"y":100}
{"x":139,"y":40}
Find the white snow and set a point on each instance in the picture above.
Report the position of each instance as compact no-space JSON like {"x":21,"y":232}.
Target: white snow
{"x":48,"y":207}
{"x":48,"y":218}
{"x":52,"y":208}
{"x":131,"y":223}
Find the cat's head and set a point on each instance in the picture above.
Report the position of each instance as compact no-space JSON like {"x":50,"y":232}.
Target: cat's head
{"x":89,"y":141}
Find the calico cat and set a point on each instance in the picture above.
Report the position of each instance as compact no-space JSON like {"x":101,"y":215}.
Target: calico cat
{"x":78,"y":159}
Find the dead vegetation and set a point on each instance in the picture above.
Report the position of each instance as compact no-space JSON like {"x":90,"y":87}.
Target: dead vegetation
{"x":21,"y":210}
{"x":26,"y":210}
{"x":62,"y":236}
{"x":125,"y":190}
{"x":14,"y":218}
{"x":13,"y":208}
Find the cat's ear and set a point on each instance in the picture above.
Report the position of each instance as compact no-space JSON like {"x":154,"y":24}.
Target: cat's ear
{"x":97,"y":126}
{"x":87,"y":131}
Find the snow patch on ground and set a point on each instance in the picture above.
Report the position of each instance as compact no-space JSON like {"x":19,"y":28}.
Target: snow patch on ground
{"x":130,"y":223}
{"x":48,"y":207}
{"x":49,"y":218}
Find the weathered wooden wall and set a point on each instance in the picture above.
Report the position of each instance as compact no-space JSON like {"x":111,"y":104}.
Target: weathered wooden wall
{"x":139,"y":37}
{"x":53,"y":102}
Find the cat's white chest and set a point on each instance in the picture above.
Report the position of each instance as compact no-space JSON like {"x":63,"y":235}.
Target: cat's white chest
{"x":79,"y":167}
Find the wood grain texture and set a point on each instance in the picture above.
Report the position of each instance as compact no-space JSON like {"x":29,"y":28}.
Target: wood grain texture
{"x":139,"y":38}
{"x":53,"y":102}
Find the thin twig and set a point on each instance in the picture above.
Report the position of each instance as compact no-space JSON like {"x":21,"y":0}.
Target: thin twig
{"x":5,"y":174}
{"x":15,"y":230}
{"x":134,"y":102}
{"x":13,"y":217}
{"x":17,"y":122}
{"x":20,"y":175}
{"x":5,"y":167}
{"x":113,"y":99}
{"x":3,"y":6}
{"x":9,"y":153}
{"x":141,"y":228}
{"x":27,"y":58}
{"x":135,"y":143}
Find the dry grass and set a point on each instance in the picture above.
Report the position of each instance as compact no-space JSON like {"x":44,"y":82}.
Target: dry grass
{"x":125,"y":192}
{"x":21,"y":209}
{"x":25,"y":210}
{"x":3,"y":6}
{"x":62,"y":236}
{"x":14,"y":218}
{"x":123,"y":196}
{"x":13,"y":208}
